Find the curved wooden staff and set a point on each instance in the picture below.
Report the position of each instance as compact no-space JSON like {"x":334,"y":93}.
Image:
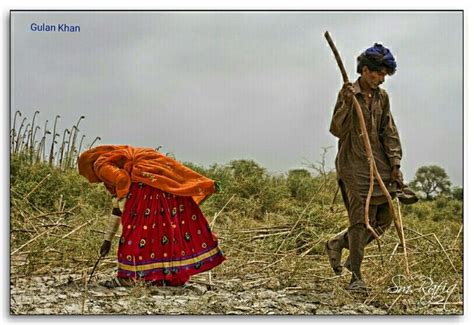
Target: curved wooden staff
{"x":372,"y":166}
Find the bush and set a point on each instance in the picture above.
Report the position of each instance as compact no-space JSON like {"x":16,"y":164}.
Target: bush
{"x":47,"y":187}
{"x":440,"y":209}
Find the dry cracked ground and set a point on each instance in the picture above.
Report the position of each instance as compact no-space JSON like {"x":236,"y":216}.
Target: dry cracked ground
{"x":67,"y":294}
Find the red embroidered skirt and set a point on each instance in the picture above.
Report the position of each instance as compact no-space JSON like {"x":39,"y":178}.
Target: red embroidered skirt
{"x":164,"y":237}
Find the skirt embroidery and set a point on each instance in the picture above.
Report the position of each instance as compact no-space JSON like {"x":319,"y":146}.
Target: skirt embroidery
{"x":172,"y":243}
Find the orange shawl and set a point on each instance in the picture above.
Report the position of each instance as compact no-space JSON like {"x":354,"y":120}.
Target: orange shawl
{"x":119,"y":166}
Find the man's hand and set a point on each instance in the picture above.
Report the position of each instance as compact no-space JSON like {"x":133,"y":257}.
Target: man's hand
{"x":348,"y":93}
{"x":105,"y":248}
{"x":395,"y":175}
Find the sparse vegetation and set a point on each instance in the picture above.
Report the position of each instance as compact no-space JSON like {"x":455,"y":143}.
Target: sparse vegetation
{"x":271,"y":227}
{"x":24,"y":142}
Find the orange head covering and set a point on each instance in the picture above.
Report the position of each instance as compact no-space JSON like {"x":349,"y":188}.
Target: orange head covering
{"x":118,"y":166}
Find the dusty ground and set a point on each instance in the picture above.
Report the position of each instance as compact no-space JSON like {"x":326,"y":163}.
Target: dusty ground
{"x":257,"y":279}
{"x":66,"y":294}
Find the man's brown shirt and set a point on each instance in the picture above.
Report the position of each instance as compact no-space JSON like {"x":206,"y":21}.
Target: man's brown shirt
{"x":351,"y":162}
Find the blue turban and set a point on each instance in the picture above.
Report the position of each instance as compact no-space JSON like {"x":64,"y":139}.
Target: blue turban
{"x":381,"y":55}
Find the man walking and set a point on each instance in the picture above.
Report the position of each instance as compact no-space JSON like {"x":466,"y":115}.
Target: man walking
{"x":373,"y":65}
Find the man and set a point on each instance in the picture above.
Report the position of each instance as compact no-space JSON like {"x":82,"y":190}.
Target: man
{"x":352,"y":167}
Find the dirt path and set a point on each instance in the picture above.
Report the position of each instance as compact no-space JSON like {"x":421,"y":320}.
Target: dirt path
{"x":66,"y":294}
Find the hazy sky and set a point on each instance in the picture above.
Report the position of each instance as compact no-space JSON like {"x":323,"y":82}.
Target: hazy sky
{"x":217,"y":86}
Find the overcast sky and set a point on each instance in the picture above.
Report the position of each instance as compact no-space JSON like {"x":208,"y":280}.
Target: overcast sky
{"x":216,"y":86}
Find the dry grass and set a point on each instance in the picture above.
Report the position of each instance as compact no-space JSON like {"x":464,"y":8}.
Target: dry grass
{"x":433,"y":286}
{"x":279,"y":248}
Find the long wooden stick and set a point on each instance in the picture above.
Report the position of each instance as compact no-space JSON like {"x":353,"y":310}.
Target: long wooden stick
{"x":365,"y":136}
{"x":93,"y":269}
{"x":399,"y":227}
{"x":370,"y":158}
{"x":218,"y":213}
{"x":36,"y":187}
